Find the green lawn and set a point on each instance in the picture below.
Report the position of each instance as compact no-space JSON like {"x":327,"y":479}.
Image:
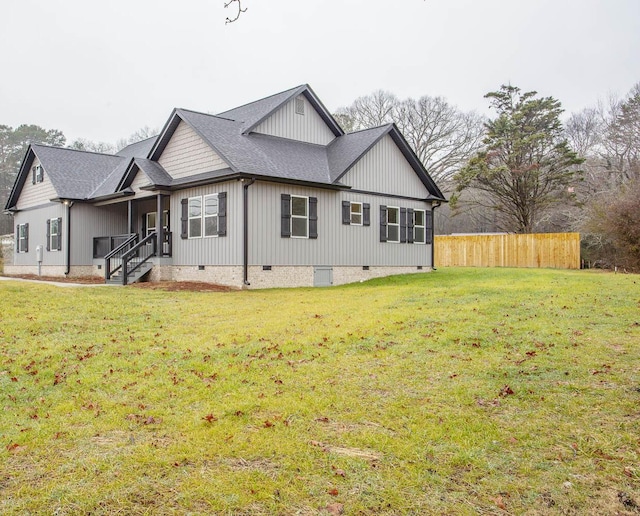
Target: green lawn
{"x":464,"y":391}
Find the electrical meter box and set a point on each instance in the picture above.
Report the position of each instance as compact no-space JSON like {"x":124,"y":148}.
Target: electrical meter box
{"x":39,"y":250}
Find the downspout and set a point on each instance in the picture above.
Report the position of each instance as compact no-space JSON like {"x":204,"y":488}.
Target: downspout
{"x":434,"y":205}
{"x":245,"y":241}
{"x":68,"y":205}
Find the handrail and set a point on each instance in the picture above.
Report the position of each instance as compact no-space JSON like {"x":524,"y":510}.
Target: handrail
{"x":117,"y":256}
{"x":134,"y":252}
{"x":127,"y":242}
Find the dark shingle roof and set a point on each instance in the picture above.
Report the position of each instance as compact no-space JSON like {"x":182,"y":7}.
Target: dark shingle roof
{"x":75,"y":174}
{"x":87,"y":175}
{"x":139,"y":149}
{"x":255,"y":111}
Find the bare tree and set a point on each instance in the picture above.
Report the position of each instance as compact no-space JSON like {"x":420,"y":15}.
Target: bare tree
{"x":87,"y":145}
{"x":141,"y":134}
{"x":442,"y":136}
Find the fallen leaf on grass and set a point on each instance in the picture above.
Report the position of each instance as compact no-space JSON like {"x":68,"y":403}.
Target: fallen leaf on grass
{"x":210,"y":418}
{"x":506,"y":391}
{"x":499,"y":501}
{"x":333,"y":491}
{"x":144,"y":420}
{"x":267,"y":424}
{"x":12,"y":446}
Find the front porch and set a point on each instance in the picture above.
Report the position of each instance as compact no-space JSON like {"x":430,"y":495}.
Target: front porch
{"x":130,"y":256}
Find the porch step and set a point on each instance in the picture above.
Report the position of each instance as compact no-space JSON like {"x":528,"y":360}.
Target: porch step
{"x":134,"y":277}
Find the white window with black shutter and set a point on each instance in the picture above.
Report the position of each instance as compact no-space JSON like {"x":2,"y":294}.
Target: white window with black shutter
{"x":418,"y":230}
{"x":356,"y":213}
{"x":391,"y":223}
{"x":299,"y":216}
{"x":204,"y":216}
{"x":54,"y":234}
{"x":37,"y":174}
{"x":22,"y":238}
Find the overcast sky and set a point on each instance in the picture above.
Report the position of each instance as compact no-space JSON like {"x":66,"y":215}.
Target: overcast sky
{"x":102,"y":70}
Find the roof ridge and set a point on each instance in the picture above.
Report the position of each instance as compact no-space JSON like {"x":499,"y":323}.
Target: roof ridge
{"x":264,"y":98}
{"x":206,"y":114}
{"x":74,"y":150}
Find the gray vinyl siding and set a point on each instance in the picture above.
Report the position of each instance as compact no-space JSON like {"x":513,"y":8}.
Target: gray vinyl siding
{"x":87,"y":222}
{"x":384,"y":169}
{"x":286,"y":123}
{"x":37,"y":220}
{"x":36,"y":194}
{"x":224,"y":250}
{"x":337,"y":244}
{"x":187,"y":154}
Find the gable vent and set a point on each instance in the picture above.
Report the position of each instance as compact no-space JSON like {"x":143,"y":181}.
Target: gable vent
{"x":299,"y":106}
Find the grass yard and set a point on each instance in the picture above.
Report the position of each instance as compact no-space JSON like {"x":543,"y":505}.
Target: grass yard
{"x":465,"y":391}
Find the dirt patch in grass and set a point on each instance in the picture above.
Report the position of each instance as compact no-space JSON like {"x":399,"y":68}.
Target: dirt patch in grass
{"x":184,"y":286}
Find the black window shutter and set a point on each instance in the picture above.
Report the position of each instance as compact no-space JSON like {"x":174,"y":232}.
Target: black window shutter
{"x":60,"y":233}
{"x":222,"y":214}
{"x":383,"y":223}
{"x":48,"y":234}
{"x":366,"y":214}
{"x":285,"y":219}
{"x":143,"y":225}
{"x":410,"y":226}
{"x":17,"y":238}
{"x":313,"y":217}
{"x":26,"y":239}
{"x":33,"y":176}
{"x":403,"y":225}
{"x":428,"y":230}
{"x":184,"y":218}
{"x":346,"y":212}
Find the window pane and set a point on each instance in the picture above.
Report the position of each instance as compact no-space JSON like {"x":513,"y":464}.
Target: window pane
{"x":211,"y":205}
{"x":393,"y":233}
{"x":54,"y":242}
{"x":195,"y":227}
{"x":419,"y":235}
{"x":151,"y":220}
{"x":356,"y":218}
{"x":418,"y":217}
{"x":210,"y":226}
{"x":23,"y":231}
{"x":299,"y":227}
{"x":195,"y":207}
{"x":53,"y":227}
{"x":299,"y":206}
{"x":393,"y":215}
{"x":356,"y":207}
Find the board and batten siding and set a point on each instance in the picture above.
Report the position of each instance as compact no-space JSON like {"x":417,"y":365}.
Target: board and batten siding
{"x":187,"y":154}
{"x":223,"y":250}
{"x":37,"y":220}
{"x":337,"y":244}
{"x":88,"y":221}
{"x":36,"y":194}
{"x":286,"y":123}
{"x":384,"y":169}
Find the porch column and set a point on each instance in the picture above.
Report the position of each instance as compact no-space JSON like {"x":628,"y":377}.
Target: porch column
{"x":159,"y":229}
{"x":130,"y":215}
